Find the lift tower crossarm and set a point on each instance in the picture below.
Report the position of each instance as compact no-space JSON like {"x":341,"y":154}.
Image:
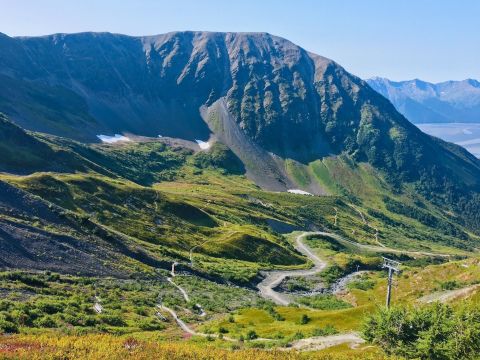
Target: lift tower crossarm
{"x":392,"y":266}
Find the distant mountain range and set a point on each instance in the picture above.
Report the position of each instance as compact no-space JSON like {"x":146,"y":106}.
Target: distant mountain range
{"x":422,"y":102}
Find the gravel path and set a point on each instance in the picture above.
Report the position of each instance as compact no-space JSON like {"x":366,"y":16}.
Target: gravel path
{"x":274,"y":278}
{"x":448,"y":295}
{"x":323,"y":342}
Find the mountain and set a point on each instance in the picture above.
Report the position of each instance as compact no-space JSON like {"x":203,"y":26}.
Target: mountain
{"x":286,"y":118}
{"x":422,"y":102}
{"x":275,"y":105}
{"x":206,"y":228}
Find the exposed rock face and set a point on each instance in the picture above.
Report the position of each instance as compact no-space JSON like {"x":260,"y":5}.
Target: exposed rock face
{"x":262,"y":95}
{"x":287,"y":100}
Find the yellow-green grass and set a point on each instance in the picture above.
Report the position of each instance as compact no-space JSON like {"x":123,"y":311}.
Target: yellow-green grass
{"x":366,"y":352}
{"x":219,"y":204}
{"x":266,"y":326}
{"x":412,"y":284}
{"x":217,"y":226}
{"x":109,"y":347}
{"x":298,"y":172}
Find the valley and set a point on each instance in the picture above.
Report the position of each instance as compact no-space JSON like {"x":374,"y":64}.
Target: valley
{"x":253,"y":227}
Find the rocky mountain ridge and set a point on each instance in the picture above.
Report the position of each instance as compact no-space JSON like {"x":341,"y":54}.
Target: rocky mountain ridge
{"x":277,"y":106}
{"x":424,"y":102}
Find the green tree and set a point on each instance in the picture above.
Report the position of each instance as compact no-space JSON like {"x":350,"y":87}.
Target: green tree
{"x":434,"y":332}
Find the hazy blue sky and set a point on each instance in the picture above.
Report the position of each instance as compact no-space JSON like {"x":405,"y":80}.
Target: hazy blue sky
{"x":433,"y":40}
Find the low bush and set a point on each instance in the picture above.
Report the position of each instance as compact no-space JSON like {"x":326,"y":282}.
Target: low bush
{"x":305,"y":319}
{"x":326,"y":331}
{"x":362,"y":284}
{"x":7,"y":325}
{"x":150,"y":324}
{"x":434,"y":332}
{"x":324,"y":302}
{"x":449,"y":285}
{"x":113,"y":320}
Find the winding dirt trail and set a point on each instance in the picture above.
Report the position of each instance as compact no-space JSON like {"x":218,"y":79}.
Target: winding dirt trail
{"x":274,"y":278}
{"x":185,"y":327}
{"x":323,"y":342}
{"x":183,"y":291}
{"x":378,"y":248}
{"x":449,"y":295}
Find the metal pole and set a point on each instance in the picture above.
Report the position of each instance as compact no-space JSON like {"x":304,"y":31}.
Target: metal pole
{"x":389,"y":289}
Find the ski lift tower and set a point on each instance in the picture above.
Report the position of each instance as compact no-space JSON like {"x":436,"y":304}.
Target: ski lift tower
{"x":392,"y":266}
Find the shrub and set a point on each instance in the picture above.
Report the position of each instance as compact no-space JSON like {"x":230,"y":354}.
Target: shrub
{"x":273,"y":313}
{"x":5,"y":305}
{"x":79,"y":319}
{"x":113,"y":320}
{"x":27,"y":279}
{"x":220,"y":157}
{"x":297,"y":284}
{"x":297,"y":336}
{"x":251,"y":335}
{"x":326,"y":331}
{"x":436,"y":332}
{"x":222,"y":330}
{"x":7,"y":325}
{"x":304,"y":319}
{"x":49,"y":307}
{"x":449,"y":285}
{"x":46,"y":321}
{"x":324,"y":302}
{"x":332,"y":273}
{"x":150,"y":324}
{"x":141,"y":311}
{"x":364,"y":284}
{"x":19,"y":317}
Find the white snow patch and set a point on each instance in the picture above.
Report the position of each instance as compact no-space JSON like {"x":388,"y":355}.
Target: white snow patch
{"x":113,"y":139}
{"x":299,"y":192}
{"x":203,"y":145}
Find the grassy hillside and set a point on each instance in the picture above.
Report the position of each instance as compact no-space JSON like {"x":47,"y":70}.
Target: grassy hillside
{"x":423,"y":279}
{"x":114,"y":347}
{"x":201,"y":201}
{"x":140,"y":245}
{"x":108,"y":221}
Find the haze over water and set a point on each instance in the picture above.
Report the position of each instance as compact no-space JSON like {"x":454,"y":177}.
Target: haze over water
{"x":466,"y":135}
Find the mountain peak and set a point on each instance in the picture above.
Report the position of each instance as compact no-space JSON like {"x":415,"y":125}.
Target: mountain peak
{"x":473,"y":82}
{"x":261,"y":95}
{"x":424,"y":102}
